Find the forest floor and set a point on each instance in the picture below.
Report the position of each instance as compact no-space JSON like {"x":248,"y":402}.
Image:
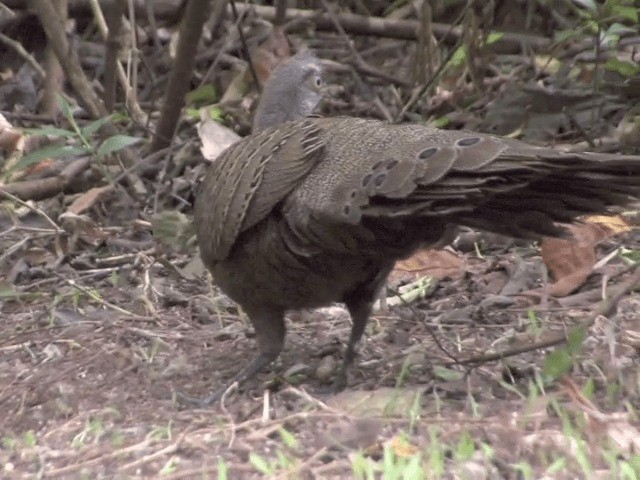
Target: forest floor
{"x":101,"y":325}
{"x":88,"y":391}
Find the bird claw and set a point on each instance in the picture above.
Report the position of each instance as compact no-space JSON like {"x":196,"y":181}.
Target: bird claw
{"x":207,"y":401}
{"x":198,"y":402}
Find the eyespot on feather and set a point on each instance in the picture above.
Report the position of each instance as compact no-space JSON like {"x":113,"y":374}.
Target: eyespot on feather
{"x":427,"y":153}
{"x":467,"y":142}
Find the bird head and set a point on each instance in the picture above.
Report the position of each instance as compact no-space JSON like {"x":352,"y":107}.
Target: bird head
{"x":292,"y":91}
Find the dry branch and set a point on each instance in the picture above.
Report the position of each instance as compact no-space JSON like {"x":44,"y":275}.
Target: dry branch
{"x":400,"y":29}
{"x":42,"y":188}
{"x":352,"y":23}
{"x":68,"y":57}
{"x":606,"y":307}
{"x":190,"y":33}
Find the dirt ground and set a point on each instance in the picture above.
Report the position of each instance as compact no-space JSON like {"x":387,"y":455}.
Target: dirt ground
{"x":94,"y":350}
{"x":101,"y":323}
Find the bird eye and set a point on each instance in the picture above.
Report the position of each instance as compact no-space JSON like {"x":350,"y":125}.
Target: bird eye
{"x":318,"y":82}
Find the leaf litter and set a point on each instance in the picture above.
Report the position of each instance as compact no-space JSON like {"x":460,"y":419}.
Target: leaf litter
{"x":102,"y":324}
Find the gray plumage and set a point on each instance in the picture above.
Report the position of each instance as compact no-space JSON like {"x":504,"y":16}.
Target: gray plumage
{"x":279,"y":102}
{"x":313,"y":211}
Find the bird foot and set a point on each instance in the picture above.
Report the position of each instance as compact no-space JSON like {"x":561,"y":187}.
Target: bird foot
{"x":207,"y":401}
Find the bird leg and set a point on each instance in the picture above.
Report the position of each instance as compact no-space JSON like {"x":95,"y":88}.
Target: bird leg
{"x":270,"y":332}
{"x":360,"y":310}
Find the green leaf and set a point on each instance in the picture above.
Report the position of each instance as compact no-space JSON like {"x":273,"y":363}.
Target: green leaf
{"x":260,"y":463}
{"x":441,"y":122}
{"x":619,"y":29}
{"x":288,"y":438}
{"x":50,"y":131}
{"x":223,"y":470}
{"x":466,"y":447}
{"x":631,"y":256}
{"x":202,"y":95}
{"x":115,"y":143}
{"x":557,"y":466}
{"x":563,"y":35}
{"x":589,"y":388}
{"x":494,"y":37}
{"x":447,"y":373}
{"x":557,"y":363}
{"x":30,"y":438}
{"x":65,"y":106}
{"x":459,"y":56}
{"x":215,"y":113}
{"x":7,"y":290}
{"x":626,"y":69}
{"x":634,"y":461}
{"x":414,"y":468}
{"x":54,"y":151}
{"x":623,"y":11}
{"x":192,"y":113}
{"x":575,"y":339}
{"x":94,"y":126}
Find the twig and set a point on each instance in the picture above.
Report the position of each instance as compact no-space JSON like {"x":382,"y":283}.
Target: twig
{"x":400,"y":29}
{"x":113,"y":44}
{"x":418,"y":93}
{"x":243,"y":42}
{"x":164,"y":451}
{"x":114,"y":25}
{"x":23,"y":53}
{"x":605,"y":308}
{"x":68,"y":57}
{"x":358,"y":61}
{"x":33,"y":209}
{"x":190,"y":33}
{"x":102,"y":459}
{"x":93,"y":296}
{"x":41,"y":188}
{"x":221,"y":52}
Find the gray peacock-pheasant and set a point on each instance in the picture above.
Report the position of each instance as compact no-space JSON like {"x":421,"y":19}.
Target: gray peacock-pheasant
{"x":310,"y":211}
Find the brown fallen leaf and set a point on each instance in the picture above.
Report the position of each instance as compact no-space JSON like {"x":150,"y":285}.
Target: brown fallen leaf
{"x":88,"y":199}
{"x":571,"y":260}
{"x":12,"y":142}
{"x":271,"y":53}
{"x":436,"y":264}
{"x":402,"y":448}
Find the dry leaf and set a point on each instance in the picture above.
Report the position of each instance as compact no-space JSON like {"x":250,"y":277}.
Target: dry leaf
{"x":617,"y":426}
{"x":613,"y":223}
{"x":436,"y":264}
{"x":402,"y":448}
{"x":571,"y":260}
{"x":88,"y":199}
{"x":383,"y":401}
{"x":271,"y":53}
{"x":12,"y":141}
{"x":214,"y":136}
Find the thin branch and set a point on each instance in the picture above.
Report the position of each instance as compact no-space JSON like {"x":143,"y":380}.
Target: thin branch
{"x":19,"y":49}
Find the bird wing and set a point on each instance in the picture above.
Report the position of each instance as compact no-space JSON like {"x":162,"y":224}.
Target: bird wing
{"x":249,"y":179}
{"x":373,"y":170}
